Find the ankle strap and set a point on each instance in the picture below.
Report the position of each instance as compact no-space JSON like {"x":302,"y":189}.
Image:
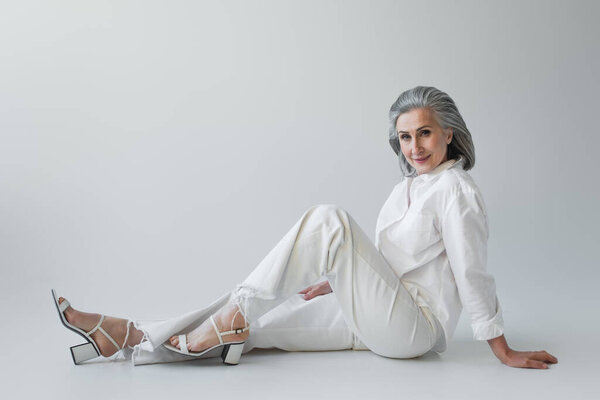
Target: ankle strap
{"x":235,"y":331}
{"x":126,"y":335}
{"x":239,"y":310}
{"x":232,"y":332}
{"x":99,"y":328}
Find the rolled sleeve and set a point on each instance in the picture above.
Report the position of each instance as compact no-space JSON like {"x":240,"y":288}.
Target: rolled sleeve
{"x":465,"y":233}
{"x":485,"y":330}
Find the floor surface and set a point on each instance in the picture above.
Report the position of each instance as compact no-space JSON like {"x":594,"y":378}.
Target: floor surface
{"x":39,"y":365}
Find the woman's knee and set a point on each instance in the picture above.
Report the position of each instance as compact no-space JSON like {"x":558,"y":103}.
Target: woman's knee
{"x":327,"y":212}
{"x":330,"y":220}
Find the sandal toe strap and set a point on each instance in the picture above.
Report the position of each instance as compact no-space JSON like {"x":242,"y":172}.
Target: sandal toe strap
{"x":183,"y":344}
{"x":63,"y":306}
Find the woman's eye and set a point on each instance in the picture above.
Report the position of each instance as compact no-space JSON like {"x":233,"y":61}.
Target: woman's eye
{"x":405,"y":137}
{"x":425,"y":132}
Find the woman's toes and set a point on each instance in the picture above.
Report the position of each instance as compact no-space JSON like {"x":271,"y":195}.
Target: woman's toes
{"x":69,"y":311}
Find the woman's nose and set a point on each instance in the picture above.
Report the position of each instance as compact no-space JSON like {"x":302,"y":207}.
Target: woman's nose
{"x":416,"y":146}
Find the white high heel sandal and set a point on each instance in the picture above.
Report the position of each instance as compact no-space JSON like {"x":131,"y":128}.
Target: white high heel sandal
{"x":89,"y":350}
{"x":232,"y":351}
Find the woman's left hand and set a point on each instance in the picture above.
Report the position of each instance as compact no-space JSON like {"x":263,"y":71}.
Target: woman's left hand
{"x":529,"y":359}
{"x":520,"y":359}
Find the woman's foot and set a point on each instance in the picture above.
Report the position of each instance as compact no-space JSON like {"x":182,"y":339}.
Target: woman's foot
{"x":204,"y":336}
{"x":115,"y":327}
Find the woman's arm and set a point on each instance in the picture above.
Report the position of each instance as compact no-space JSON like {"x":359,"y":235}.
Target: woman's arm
{"x":520,"y":359}
{"x":465,"y":233}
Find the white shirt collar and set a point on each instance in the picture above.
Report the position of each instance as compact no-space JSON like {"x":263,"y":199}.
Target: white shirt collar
{"x":439,"y":169}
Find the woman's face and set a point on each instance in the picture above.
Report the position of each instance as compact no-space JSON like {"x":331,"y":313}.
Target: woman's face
{"x":422,"y":140}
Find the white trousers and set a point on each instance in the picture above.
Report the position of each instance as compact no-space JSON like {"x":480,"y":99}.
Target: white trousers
{"x":369,"y":308}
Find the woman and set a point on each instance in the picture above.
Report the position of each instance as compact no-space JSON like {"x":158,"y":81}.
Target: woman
{"x":399,"y":298}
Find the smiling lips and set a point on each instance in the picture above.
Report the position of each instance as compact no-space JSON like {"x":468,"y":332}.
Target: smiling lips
{"x":421,"y":160}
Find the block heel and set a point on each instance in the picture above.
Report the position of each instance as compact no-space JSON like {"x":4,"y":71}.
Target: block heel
{"x":83,"y":352}
{"x":232,"y":353}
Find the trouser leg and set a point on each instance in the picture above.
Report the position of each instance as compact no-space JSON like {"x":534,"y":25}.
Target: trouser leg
{"x":326,"y":241}
{"x":301,"y":325}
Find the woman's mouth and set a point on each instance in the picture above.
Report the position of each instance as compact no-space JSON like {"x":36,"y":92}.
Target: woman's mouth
{"x":421,"y":160}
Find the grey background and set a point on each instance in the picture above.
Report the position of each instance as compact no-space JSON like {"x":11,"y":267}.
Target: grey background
{"x":152,"y":153}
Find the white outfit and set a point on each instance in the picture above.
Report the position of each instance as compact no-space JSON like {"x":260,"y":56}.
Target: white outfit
{"x":398,"y":298}
{"x":433,"y":231}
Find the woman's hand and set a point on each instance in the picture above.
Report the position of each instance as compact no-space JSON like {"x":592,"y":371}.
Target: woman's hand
{"x":529,"y":359}
{"x":520,"y":359}
{"x":316,"y":290}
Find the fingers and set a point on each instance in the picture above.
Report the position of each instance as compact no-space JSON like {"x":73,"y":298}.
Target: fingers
{"x":540,"y":360}
{"x":314,"y":292}
{"x":536,"y":364}
{"x":309,"y":295}
{"x":545,"y":356}
{"x":324,"y":287}
{"x":531,"y":359}
{"x":305,"y":290}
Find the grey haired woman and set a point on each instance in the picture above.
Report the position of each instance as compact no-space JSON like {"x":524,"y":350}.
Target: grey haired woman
{"x":399,"y":297}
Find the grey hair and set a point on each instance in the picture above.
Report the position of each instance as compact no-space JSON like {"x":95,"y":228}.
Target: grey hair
{"x":447,"y":116}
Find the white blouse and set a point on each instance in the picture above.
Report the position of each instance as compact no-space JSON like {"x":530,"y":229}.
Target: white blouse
{"x":433,"y":232}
